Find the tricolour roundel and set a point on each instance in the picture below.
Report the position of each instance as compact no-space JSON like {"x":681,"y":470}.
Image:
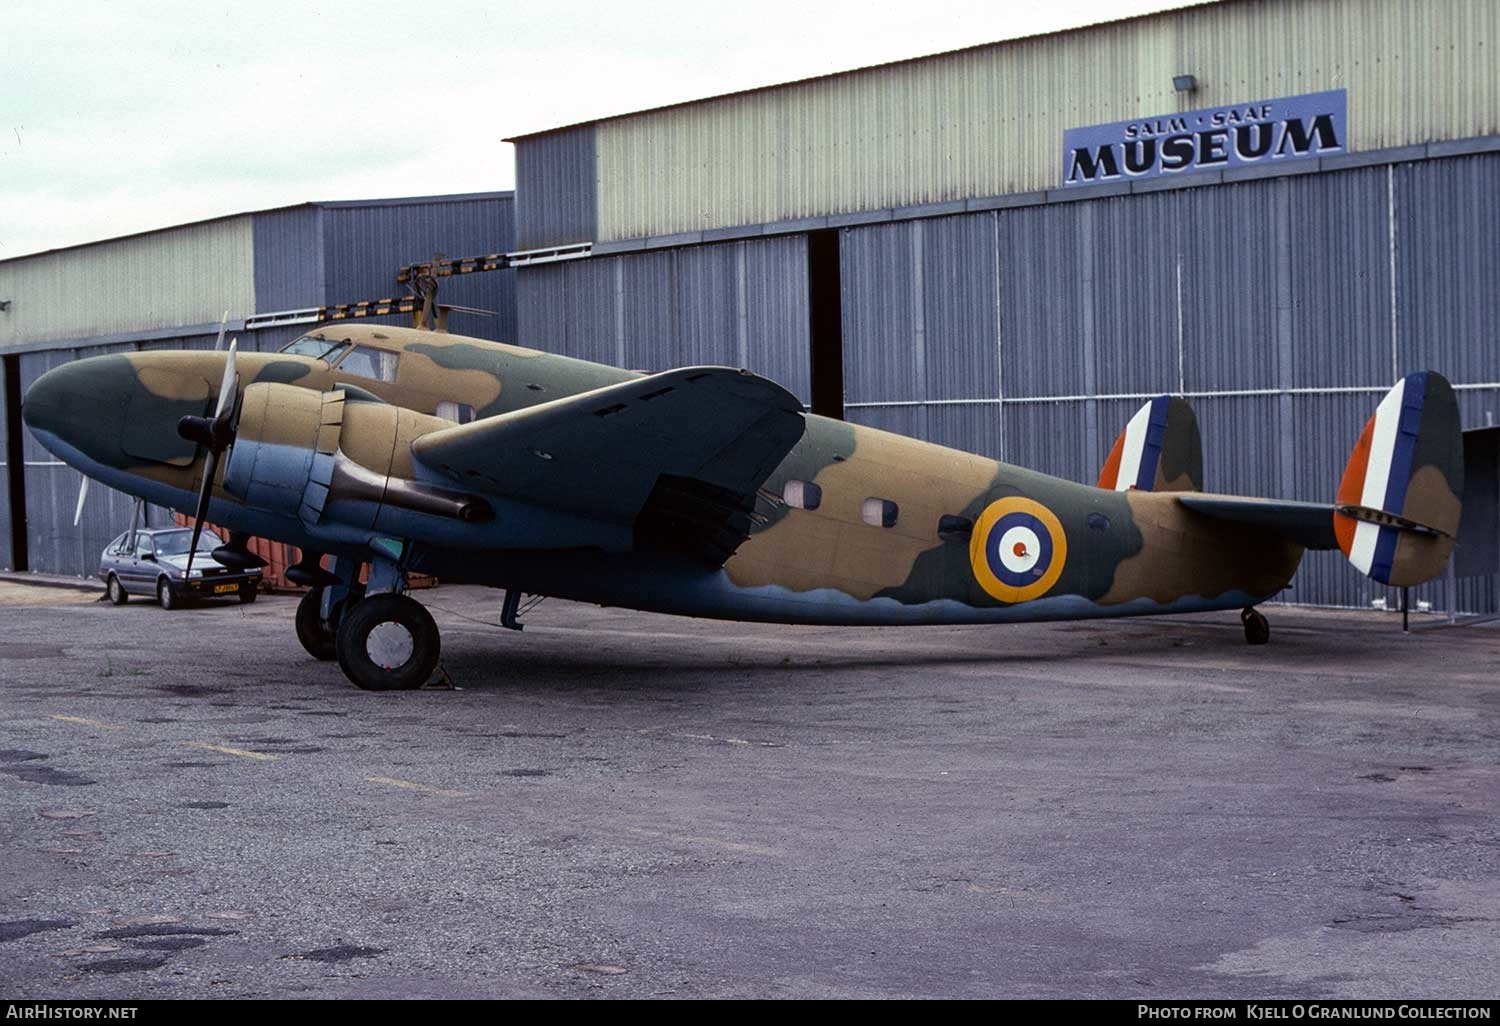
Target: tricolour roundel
{"x":1017,"y":550}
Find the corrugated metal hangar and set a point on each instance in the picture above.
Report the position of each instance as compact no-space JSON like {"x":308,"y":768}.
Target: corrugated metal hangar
{"x":273,"y":271}
{"x":1272,"y":207}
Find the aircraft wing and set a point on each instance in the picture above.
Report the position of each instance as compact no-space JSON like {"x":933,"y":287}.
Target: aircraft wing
{"x":678,"y":454}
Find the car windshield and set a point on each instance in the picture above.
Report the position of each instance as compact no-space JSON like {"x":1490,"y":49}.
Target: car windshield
{"x":175,"y":543}
{"x":318,"y":348}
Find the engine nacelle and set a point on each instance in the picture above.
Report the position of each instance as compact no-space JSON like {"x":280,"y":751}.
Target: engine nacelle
{"x":302,"y":452}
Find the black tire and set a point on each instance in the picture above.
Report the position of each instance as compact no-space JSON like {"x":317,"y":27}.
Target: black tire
{"x":248,"y":592}
{"x":315,"y":635}
{"x":167,"y":595}
{"x":1257,"y":627}
{"x":388,"y":642}
{"x":118,"y":596}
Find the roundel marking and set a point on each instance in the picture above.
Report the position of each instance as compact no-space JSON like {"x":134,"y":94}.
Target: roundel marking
{"x":1017,"y":550}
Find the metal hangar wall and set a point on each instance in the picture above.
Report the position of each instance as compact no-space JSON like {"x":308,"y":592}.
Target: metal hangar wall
{"x":985,"y":302}
{"x":167,"y":289}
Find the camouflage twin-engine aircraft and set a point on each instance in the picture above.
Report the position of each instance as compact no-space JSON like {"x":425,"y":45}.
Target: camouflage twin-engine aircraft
{"x":706,"y":491}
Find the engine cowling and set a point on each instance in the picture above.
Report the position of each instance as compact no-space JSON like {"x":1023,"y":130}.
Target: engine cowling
{"x":297,"y":451}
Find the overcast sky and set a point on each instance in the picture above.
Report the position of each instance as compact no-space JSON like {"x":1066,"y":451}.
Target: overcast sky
{"x":120,"y":117}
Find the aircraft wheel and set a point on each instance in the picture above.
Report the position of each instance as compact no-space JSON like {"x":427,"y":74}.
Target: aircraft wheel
{"x":388,"y":642}
{"x":315,"y":635}
{"x":248,"y":593}
{"x":318,"y":636}
{"x":116,"y":591}
{"x":1257,"y":629}
{"x":167,"y":595}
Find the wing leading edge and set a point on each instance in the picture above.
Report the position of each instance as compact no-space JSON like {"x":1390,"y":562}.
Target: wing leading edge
{"x":679,"y":455}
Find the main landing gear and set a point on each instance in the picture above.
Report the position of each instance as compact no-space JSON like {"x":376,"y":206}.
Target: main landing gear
{"x":1257,"y":629}
{"x":383,"y":640}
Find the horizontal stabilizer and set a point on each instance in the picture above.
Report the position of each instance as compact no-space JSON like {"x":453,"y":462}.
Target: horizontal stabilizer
{"x":1309,"y":524}
{"x":1158,"y":451}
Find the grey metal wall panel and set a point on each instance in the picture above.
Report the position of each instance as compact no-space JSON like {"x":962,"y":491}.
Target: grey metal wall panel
{"x":1049,"y":437}
{"x":649,"y":310}
{"x":1230,"y":249}
{"x":1045,"y":301}
{"x":777,"y":321}
{"x":1479,"y":407}
{"x":1448,"y":267}
{"x":555,"y":189}
{"x":960,"y":307}
{"x":882,"y":313}
{"x":289,"y":271}
{"x":901,"y":420}
{"x":542,"y":303}
{"x":1241,"y":454}
{"x":1340,"y":249}
{"x":707,"y":298}
{"x":741,"y":304}
{"x":971,"y":427}
{"x":365,"y":245}
{"x":589,"y":312}
{"x":1133,"y":279}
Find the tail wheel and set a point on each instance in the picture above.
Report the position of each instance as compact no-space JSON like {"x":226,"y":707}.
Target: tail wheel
{"x":167,"y":595}
{"x":116,"y":591}
{"x":1257,"y":628}
{"x":388,"y":642}
{"x":248,"y":592}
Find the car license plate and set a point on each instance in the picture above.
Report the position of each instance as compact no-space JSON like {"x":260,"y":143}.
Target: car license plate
{"x":220,"y":589}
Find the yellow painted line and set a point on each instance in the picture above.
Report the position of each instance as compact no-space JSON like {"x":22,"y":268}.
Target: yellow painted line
{"x":242,"y":753}
{"x":84,"y":721}
{"x":408,"y":785}
{"x":739,"y":847}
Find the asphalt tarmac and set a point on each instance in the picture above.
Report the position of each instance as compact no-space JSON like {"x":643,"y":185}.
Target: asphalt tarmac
{"x":621,"y":804}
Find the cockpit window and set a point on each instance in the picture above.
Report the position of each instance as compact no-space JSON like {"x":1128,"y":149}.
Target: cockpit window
{"x":326,"y":349}
{"x":365,"y":362}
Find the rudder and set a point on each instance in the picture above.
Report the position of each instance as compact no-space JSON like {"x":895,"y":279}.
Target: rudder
{"x":1159,"y":450}
{"x":1398,"y":504}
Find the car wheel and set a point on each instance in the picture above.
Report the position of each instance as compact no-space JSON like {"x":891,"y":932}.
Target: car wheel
{"x":116,"y":591}
{"x":247,"y":593}
{"x":167,"y":595}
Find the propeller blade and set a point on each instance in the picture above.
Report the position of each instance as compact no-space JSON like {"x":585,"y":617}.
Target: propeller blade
{"x":83,"y":493}
{"x":210,"y":466}
{"x":230,"y":383}
{"x":214,"y":435}
{"x":219,"y":342}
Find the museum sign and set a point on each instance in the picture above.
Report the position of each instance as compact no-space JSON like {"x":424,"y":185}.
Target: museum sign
{"x":1213,"y":138}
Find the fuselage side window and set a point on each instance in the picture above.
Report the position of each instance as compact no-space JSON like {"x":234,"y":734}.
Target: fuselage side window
{"x":879,"y":512}
{"x":802,"y":495}
{"x":459,"y":413}
{"x":365,"y":362}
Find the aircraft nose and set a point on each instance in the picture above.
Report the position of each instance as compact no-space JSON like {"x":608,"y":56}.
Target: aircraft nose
{"x":79,"y":404}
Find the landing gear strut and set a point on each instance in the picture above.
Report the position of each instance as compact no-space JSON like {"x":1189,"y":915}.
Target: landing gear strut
{"x":1257,"y":629}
